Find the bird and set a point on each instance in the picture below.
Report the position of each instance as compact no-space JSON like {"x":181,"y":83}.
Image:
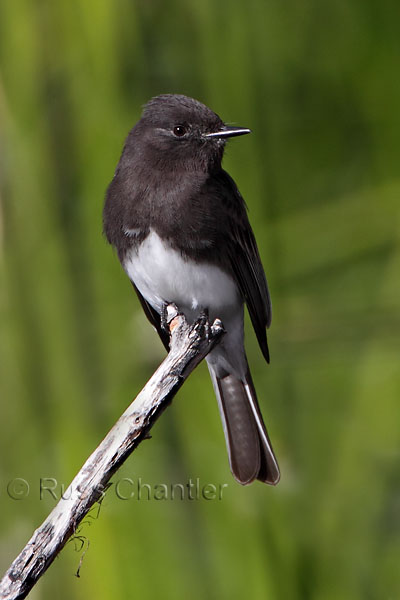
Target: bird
{"x":181,"y":231}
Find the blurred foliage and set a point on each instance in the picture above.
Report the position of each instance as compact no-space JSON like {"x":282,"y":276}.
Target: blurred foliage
{"x":318,"y":84}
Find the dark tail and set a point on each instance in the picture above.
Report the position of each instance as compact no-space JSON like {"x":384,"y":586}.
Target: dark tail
{"x":249,"y":449}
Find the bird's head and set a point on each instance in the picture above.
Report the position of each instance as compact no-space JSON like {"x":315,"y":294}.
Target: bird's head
{"x":182,"y":133}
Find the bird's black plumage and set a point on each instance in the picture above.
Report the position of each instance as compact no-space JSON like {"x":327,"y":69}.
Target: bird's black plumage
{"x":170,"y":202}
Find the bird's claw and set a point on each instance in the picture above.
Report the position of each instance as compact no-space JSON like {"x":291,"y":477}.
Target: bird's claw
{"x":204,"y":324}
{"x":169,"y":312}
{"x":168,"y":317}
{"x":164,"y":318}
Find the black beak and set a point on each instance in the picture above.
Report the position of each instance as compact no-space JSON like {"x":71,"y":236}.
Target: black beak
{"x":227,"y":131}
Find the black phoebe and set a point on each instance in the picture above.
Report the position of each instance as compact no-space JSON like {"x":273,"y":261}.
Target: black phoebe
{"x":180,"y":227}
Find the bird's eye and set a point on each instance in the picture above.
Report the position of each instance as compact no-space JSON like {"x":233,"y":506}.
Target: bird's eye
{"x":179,"y":130}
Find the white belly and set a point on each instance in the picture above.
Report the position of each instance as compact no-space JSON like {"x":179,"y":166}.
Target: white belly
{"x":162,"y":275}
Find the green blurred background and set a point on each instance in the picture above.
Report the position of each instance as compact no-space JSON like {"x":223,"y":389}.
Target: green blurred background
{"x":318,"y":83}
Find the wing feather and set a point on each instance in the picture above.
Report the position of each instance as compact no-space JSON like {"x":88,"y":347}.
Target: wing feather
{"x":246,"y":263}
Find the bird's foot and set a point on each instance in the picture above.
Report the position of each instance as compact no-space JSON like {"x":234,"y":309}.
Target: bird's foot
{"x":168,"y":316}
{"x":164,"y":317}
{"x":204,"y":323}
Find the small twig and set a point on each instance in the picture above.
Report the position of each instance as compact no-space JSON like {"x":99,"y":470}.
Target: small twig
{"x":78,"y":571}
{"x":189,"y":345}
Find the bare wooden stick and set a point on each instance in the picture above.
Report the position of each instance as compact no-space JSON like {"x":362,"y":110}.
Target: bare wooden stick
{"x":189,"y":345}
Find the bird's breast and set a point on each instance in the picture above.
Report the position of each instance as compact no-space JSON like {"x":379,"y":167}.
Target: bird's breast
{"x":162,"y":274}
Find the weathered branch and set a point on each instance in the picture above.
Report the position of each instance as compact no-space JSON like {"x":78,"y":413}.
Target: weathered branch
{"x":189,"y":345}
